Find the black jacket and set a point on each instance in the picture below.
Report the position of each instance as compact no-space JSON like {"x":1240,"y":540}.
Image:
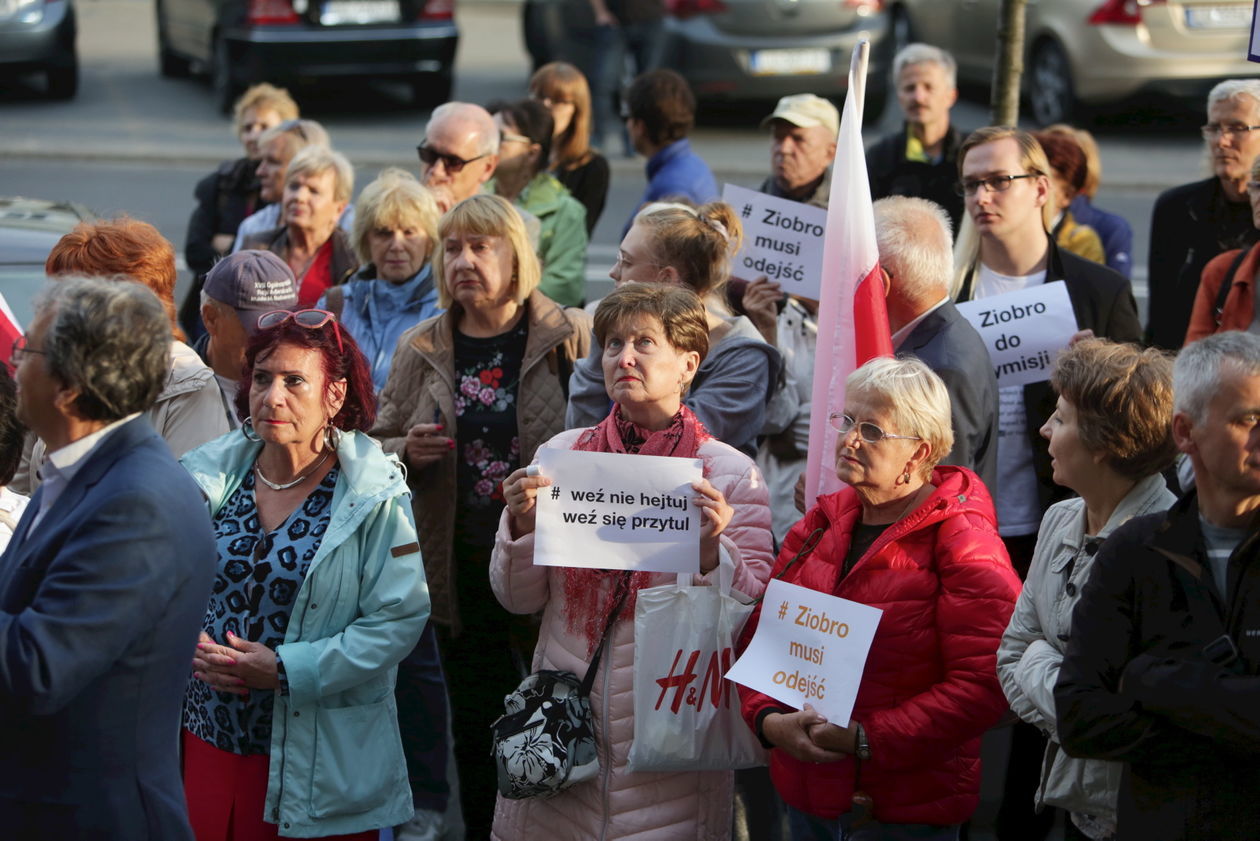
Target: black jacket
{"x":1102,"y":300}
{"x":892,"y":175}
{"x":1137,"y":684}
{"x":1190,"y":225}
{"x":224,"y":198}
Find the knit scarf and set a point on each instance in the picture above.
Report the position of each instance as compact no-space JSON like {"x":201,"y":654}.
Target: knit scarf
{"x":587,"y":594}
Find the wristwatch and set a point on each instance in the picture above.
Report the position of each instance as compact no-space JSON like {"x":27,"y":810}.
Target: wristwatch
{"x":862,"y":748}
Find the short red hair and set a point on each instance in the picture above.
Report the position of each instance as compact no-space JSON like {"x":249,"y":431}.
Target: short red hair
{"x":122,"y":246}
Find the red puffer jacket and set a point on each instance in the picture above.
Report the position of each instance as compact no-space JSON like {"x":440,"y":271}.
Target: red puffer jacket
{"x":930,"y":689}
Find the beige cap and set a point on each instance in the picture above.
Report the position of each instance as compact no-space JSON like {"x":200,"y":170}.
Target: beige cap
{"x":806,"y":110}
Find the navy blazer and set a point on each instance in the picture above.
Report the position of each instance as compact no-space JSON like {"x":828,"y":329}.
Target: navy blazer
{"x":948,"y":344}
{"x":100,"y":608}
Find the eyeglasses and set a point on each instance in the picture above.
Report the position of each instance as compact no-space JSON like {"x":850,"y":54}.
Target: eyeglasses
{"x":867,"y":431}
{"x":310,"y":319}
{"x":995,"y":183}
{"x":509,"y":137}
{"x":20,"y":351}
{"x":453,"y":163}
{"x":1213,"y":130}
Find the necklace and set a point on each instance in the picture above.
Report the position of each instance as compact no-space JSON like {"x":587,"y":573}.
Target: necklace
{"x":276,"y":486}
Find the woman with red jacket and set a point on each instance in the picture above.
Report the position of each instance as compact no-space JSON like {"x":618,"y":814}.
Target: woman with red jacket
{"x":919,"y":542}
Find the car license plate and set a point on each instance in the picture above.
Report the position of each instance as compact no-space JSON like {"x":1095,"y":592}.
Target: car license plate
{"x":789,"y":62}
{"x":359,"y":11}
{"x":1219,"y":17}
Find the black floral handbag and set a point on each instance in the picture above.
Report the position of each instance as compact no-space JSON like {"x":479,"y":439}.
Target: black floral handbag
{"x":545,"y":741}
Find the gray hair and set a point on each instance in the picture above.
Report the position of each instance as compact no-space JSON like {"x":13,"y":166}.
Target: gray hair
{"x":108,"y":340}
{"x":916,"y":399}
{"x":925,"y":54}
{"x":1236,"y":89}
{"x":315,"y":160}
{"x":1201,"y":366}
{"x":303,"y":132}
{"x":478,"y":117}
{"x":916,"y":246}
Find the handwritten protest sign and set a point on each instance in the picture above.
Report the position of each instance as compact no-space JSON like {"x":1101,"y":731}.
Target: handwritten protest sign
{"x":809,"y":648}
{"x":614,"y":511}
{"x":1023,"y":330}
{"x":783,"y":240}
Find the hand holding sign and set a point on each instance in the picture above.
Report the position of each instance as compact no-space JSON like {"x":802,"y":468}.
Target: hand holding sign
{"x":520,"y":491}
{"x":716,"y":513}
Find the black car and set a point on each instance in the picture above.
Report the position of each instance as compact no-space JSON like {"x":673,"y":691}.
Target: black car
{"x":242,"y":42}
{"x":37,"y":36}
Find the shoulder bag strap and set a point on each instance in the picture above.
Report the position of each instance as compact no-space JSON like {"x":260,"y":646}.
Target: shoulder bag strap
{"x":1219,"y":310}
{"x":589,"y":680}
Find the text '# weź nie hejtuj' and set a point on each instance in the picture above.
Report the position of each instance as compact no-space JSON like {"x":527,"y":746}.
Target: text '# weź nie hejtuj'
{"x":635,"y":521}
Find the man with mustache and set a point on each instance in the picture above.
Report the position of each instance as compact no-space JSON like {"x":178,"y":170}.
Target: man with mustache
{"x":1193,"y":223}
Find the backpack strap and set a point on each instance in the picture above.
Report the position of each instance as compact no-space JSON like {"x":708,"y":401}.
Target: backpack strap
{"x":1218,"y":310}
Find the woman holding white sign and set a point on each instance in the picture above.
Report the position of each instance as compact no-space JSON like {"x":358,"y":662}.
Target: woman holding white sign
{"x":919,"y":542}
{"x":653,"y":339}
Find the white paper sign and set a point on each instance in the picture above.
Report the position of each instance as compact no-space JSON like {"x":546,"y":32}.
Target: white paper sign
{"x":615,"y":511}
{"x":783,"y":240}
{"x":1023,"y":330}
{"x":809,"y":648}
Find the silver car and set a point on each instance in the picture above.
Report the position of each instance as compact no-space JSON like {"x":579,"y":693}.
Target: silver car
{"x":1082,"y":54}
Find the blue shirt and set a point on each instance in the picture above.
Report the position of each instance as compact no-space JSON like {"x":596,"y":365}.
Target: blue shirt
{"x":677,"y":171}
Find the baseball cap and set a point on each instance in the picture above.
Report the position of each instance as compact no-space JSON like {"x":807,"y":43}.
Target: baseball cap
{"x":252,"y":282}
{"x":806,"y":110}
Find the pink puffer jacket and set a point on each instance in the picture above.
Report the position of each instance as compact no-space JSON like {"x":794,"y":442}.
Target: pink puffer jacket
{"x":620,"y":804}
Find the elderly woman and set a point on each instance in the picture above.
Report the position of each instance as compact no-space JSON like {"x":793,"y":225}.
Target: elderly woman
{"x":320,"y":593}
{"x":395,"y":233}
{"x":1226,"y":298}
{"x":678,"y":245}
{"x":652,"y":339}
{"x":562,"y":90}
{"x":317,"y":188}
{"x":525,"y":133}
{"x":1110,"y":437}
{"x":920,"y":542}
{"x":471,"y":395}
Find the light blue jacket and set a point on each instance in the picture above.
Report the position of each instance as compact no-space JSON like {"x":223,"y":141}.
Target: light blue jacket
{"x":336,"y":758}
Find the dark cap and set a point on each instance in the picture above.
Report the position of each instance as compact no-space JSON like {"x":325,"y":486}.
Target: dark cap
{"x":252,"y":282}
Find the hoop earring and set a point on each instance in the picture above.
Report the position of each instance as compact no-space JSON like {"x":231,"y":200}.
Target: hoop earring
{"x":332,"y":436}
{"x":905,"y":478}
{"x":247,"y":429}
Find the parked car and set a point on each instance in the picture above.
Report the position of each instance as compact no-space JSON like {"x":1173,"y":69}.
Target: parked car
{"x":242,"y":42}
{"x":741,"y":49}
{"x":1082,"y":54}
{"x":29,"y":228}
{"x":38,"y":36}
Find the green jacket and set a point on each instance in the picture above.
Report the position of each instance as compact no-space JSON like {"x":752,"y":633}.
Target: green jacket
{"x":562,"y":240}
{"x":336,"y":757}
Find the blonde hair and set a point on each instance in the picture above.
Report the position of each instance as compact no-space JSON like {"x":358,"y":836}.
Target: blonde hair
{"x":394,"y":200}
{"x":698,"y":243}
{"x":314,"y":160}
{"x":489,"y":216}
{"x":916,"y":400}
{"x":264,"y":96}
{"x":559,"y":80}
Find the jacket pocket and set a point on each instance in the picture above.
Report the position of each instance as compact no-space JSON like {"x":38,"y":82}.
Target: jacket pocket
{"x":358,"y":764}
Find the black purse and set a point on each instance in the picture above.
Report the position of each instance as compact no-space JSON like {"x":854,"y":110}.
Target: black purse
{"x":545,"y":740}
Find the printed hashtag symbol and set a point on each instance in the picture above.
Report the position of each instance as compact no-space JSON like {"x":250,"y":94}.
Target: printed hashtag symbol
{"x":555,"y":492}
{"x":747,"y":210}
{"x":783,"y":610}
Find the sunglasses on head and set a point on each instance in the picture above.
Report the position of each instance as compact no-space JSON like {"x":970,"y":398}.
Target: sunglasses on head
{"x":310,"y":319}
{"x":453,"y":163}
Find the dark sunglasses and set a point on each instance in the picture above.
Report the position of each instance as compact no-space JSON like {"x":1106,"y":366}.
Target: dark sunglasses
{"x":453,"y":163}
{"x":310,"y":319}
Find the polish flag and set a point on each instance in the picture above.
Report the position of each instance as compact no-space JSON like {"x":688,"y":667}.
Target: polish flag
{"x":9,"y":331}
{"x":852,"y":319}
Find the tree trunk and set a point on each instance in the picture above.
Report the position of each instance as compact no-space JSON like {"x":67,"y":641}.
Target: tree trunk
{"x":1004,"y":105}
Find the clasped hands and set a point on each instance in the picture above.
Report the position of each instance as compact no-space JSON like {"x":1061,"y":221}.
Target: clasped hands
{"x":808,"y":736}
{"x":237,"y":667}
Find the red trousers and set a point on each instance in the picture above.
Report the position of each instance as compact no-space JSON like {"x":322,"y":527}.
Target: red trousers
{"x":226,"y":794}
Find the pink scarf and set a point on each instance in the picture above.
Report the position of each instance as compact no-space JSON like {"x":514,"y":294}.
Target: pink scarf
{"x":589,"y":601}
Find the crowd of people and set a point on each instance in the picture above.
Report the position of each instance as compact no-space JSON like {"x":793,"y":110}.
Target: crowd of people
{"x":306,"y":625}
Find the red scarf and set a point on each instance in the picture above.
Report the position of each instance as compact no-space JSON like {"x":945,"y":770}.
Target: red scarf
{"x":587,"y":614}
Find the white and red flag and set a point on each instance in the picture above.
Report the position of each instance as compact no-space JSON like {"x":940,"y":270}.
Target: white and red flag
{"x":9,"y":331}
{"x":852,"y":318}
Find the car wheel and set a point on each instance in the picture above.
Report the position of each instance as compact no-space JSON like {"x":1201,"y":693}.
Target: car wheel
{"x":429,"y":90}
{"x":1050,"y":91}
{"x":170,"y":64}
{"x":63,"y":79}
{"x":221,"y":82}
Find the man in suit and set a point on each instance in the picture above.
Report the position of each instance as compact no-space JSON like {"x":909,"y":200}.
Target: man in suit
{"x":916,"y":250}
{"x":104,"y":584}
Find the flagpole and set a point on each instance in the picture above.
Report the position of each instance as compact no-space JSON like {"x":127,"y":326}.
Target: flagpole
{"x":857,"y":74}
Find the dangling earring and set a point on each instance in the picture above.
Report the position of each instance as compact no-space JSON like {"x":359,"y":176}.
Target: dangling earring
{"x":332,"y":437}
{"x":247,"y":429}
{"x":905,"y":478}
